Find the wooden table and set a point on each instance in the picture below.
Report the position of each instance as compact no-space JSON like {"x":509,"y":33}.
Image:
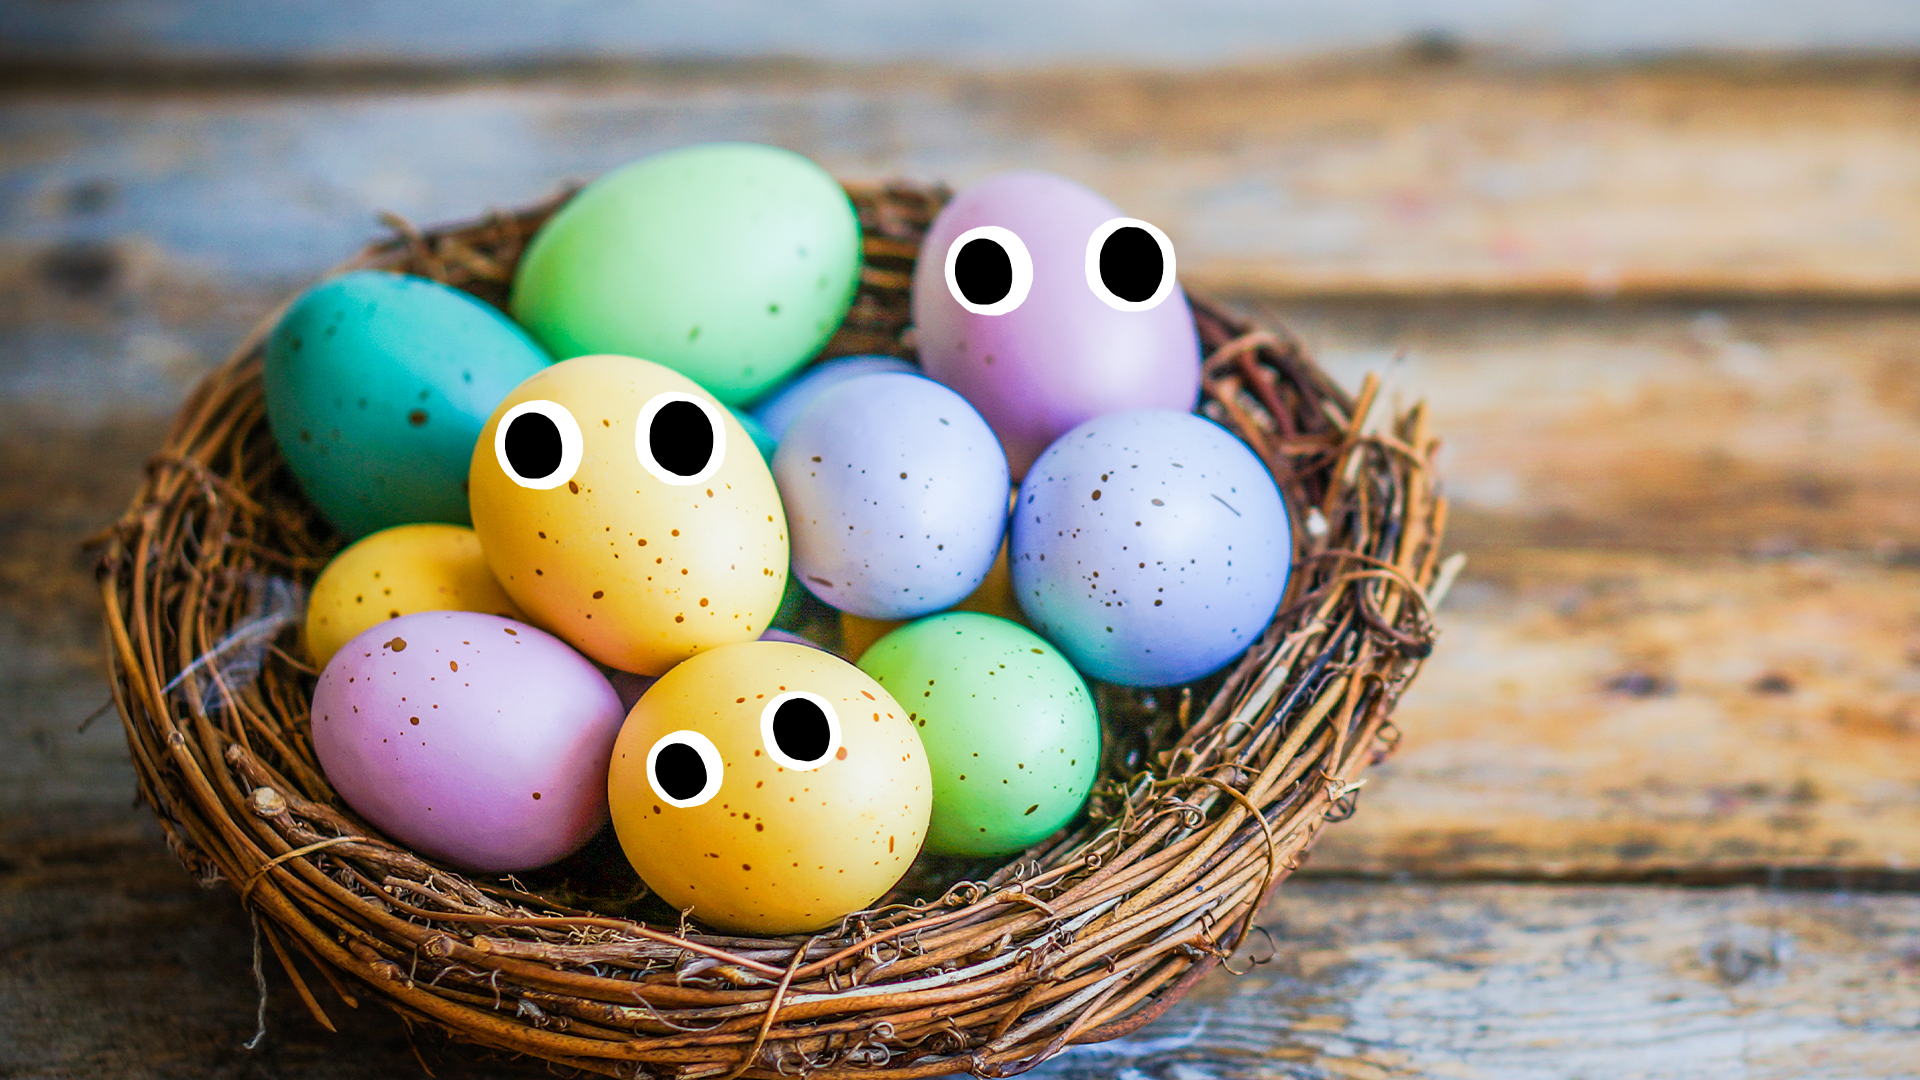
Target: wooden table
{"x":1657,"y":811}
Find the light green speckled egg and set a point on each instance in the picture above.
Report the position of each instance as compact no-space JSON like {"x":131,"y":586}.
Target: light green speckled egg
{"x":1011,"y":734}
{"x":731,"y":263}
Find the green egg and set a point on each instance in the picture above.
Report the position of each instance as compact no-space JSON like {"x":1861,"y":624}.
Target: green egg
{"x":1010,"y":731}
{"x":377,"y":385}
{"x":731,"y":263}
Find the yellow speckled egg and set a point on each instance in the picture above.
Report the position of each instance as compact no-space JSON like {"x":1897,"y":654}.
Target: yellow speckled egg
{"x":770,"y":787}
{"x":626,"y":511}
{"x":395,"y":572}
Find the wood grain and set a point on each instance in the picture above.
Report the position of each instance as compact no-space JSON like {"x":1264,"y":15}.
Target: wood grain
{"x":1625,"y":715}
{"x":1752,"y":428}
{"x":117,"y":964}
{"x":991,"y":33}
{"x":1304,"y":178}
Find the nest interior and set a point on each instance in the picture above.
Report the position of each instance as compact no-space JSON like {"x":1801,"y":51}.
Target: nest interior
{"x":1211,"y":794}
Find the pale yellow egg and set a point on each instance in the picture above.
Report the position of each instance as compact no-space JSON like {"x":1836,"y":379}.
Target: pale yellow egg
{"x":395,"y":572}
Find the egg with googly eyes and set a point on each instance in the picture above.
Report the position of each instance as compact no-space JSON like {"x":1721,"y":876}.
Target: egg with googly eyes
{"x":626,"y":510}
{"x":1044,"y":307}
{"x":769,"y":787}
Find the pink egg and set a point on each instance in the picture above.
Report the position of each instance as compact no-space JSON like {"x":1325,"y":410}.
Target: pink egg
{"x":1070,"y":349}
{"x":473,"y":739}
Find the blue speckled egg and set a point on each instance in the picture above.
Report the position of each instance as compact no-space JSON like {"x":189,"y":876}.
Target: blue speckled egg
{"x":896,"y":496}
{"x":1151,"y":546}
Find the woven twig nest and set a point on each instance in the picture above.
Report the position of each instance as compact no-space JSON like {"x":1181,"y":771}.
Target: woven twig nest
{"x":1211,"y":794}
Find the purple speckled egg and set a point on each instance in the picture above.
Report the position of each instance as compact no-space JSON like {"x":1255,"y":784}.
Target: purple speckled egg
{"x":1151,"y":546}
{"x":778,"y":412}
{"x":1065,"y":353}
{"x":896,"y":496}
{"x":473,"y":739}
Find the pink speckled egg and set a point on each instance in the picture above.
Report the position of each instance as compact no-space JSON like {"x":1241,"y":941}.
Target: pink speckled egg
{"x":1044,"y":307}
{"x":473,"y":739}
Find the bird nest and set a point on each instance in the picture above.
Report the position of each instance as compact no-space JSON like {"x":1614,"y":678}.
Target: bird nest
{"x":1210,"y":794}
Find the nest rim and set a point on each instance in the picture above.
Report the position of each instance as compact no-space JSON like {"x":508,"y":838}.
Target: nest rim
{"x":1087,"y":936}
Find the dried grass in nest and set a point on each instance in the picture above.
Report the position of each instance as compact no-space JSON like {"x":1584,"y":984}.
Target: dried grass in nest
{"x":1211,"y":794}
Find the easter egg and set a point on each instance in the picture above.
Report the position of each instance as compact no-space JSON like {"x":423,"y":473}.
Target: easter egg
{"x":1012,"y":737}
{"x":376,"y":387}
{"x":470,"y":738}
{"x":627,"y":511}
{"x":395,"y":572}
{"x":1151,"y":546}
{"x":731,"y":263}
{"x":770,"y":787}
{"x":896,"y":496}
{"x":1045,"y":342}
{"x":778,"y":412}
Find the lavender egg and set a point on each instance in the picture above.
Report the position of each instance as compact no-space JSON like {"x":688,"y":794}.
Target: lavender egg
{"x":896,"y":496}
{"x":471,"y":738}
{"x":1070,"y":348}
{"x":1151,"y":546}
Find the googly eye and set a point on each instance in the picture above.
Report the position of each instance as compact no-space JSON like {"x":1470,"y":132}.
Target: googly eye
{"x":680,"y":437}
{"x":538,"y":444}
{"x":684,"y":768}
{"x":989,"y":270}
{"x":1130,"y":264}
{"x":800,"y":730}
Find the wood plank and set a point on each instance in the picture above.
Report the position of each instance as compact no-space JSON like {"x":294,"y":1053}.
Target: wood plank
{"x":1623,"y":715}
{"x":1755,"y":428}
{"x":1503,"y":983}
{"x":1547,"y":734}
{"x":59,"y":484}
{"x":984,"y":32}
{"x":116,"y":964}
{"x":1313,"y":178}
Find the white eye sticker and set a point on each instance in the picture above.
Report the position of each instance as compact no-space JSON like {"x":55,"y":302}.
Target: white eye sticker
{"x":680,"y":437}
{"x":1130,"y":264}
{"x":989,"y":271}
{"x":538,"y":444}
{"x":684,"y":768}
{"x":800,"y":730}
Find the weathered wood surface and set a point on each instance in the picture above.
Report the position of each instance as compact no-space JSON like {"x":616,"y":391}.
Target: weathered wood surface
{"x":1310,"y":178}
{"x":114,"y":963}
{"x":982,"y":32}
{"x":1687,"y":646}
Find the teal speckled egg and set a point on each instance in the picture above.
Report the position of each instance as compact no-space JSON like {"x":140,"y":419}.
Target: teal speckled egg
{"x":731,"y":263}
{"x":377,"y":385}
{"x":1010,"y":731}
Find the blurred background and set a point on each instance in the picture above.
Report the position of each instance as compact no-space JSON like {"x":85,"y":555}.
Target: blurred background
{"x":1655,"y":265}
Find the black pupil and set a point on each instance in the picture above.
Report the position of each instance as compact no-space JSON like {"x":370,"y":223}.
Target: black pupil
{"x":533,"y":446}
{"x":983,"y":271}
{"x":680,"y":771}
{"x":681,"y":438}
{"x":800,"y":730}
{"x":1131,"y":264}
